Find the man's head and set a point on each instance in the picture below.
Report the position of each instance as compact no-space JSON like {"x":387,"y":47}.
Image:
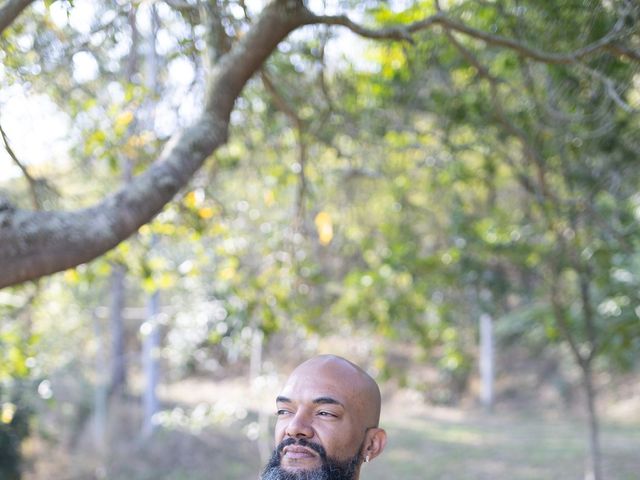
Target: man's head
{"x":328,"y":414}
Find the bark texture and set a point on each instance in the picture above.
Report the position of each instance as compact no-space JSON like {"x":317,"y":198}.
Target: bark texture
{"x":10,"y":10}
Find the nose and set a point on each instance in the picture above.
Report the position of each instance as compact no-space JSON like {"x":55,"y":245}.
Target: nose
{"x":299,"y":426}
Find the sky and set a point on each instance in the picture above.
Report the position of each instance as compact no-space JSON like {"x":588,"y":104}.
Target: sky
{"x":35,"y":127}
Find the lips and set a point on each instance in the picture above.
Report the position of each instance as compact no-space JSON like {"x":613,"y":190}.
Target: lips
{"x":298,"y":452}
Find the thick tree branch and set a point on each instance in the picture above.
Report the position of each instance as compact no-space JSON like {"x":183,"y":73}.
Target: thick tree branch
{"x":34,"y":244}
{"x":10,"y":10}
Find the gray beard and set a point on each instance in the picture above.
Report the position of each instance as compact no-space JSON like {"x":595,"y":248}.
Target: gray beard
{"x":331,"y":469}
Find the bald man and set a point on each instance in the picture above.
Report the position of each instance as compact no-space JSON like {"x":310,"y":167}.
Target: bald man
{"x":327,"y":422}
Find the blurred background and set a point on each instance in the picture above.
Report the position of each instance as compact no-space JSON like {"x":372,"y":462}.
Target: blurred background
{"x":459,"y":215}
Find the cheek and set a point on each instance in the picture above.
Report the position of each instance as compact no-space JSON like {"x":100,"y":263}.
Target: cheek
{"x":279,"y":431}
{"x":339,"y":441}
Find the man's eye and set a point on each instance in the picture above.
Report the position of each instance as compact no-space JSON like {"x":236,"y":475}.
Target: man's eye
{"x":282,"y":412}
{"x":326,"y":414}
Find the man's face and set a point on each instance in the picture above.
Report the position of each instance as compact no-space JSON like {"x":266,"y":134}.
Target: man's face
{"x":319,"y":425}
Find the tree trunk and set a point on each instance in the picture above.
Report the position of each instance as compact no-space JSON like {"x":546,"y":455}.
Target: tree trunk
{"x":118,"y":380}
{"x":151,"y":347}
{"x":100,"y":394}
{"x":594,"y":467}
{"x":150,"y":353}
{"x":486,"y":361}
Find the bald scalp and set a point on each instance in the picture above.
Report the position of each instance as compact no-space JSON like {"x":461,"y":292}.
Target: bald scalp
{"x":362,"y":389}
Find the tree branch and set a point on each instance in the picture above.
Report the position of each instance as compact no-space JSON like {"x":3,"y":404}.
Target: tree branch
{"x":483,"y":71}
{"x":399,"y":32}
{"x":34,"y":244}
{"x":612,"y":91}
{"x":530,"y":152}
{"x":33,"y":183}
{"x":560,"y":314}
{"x":587,"y":311}
{"x":404,"y":33}
{"x":300,"y":128}
{"x":623,"y":51}
{"x":322,"y":80}
{"x":218,"y":43}
{"x":10,"y":10}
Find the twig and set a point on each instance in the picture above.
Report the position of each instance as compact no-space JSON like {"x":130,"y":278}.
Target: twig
{"x":300,"y":128}
{"x":611,"y":90}
{"x":529,"y":151}
{"x":33,"y":183}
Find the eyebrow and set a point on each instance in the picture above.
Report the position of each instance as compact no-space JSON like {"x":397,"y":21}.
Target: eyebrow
{"x":319,"y":401}
{"x":327,"y":400}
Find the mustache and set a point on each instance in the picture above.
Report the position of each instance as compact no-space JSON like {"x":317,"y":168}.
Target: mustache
{"x":319,"y":449}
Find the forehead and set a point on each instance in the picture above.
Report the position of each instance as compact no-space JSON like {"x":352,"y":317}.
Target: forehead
{"x":309,"y":382}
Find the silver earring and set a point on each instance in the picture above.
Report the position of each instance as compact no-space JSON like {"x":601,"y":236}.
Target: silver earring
{"x":366,"y":459}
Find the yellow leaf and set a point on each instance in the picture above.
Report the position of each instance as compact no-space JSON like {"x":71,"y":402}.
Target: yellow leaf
{"x":164,"y":229}
{"x":124,"y":248}
{"x":158,"y":263}
{"x":269,"y":198}
{"x":190,"y":199}
{"x":148,"y":285}
{"x":7,"y":412}
{"x":206,"y":212}
{"x":194,"y":198}
{"x":95,"y":140}
{"x":324,"y":226}
{"x":17,"y":358}
{"x":122,"y":122}
{"x":103,"y":269}
{"x":227,"y":273}
{"x":72,"y":276}
{"x":219,"y":229}
{"x":166,"y":281}
{"x":134,"y":145}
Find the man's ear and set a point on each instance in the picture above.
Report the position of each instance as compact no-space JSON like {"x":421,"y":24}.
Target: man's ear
{"x":374,"y":444}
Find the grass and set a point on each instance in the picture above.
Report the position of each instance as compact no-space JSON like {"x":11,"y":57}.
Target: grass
{"x":425,"y":443}
{"x":448,"y":444}
{"x":435,"y":444}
